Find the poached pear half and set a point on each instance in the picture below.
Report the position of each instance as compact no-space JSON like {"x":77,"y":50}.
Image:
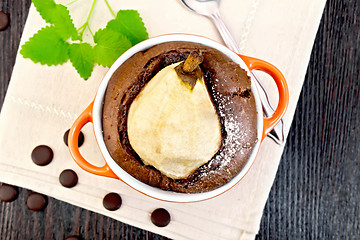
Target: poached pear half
{"x":172,"y":124}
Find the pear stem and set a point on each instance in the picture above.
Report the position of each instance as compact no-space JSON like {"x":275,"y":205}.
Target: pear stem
{"x":192,"y":61}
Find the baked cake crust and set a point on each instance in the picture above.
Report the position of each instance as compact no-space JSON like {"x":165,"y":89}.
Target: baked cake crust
{"x":230,"y":89}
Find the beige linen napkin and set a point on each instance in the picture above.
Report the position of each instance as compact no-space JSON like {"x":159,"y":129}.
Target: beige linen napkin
{"x":42,"y":103}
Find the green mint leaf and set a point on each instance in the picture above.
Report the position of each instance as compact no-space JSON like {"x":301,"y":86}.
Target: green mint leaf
{"x":57,"y":15}
{"x":130,"y":24}
{"x":82,"y":58}
{"x":109,"y":46}
{"x":46,"y":47}
{"x":49,"y":45}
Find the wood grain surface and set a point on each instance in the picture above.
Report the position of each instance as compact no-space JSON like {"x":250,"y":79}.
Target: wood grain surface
{"x":316,"y":192}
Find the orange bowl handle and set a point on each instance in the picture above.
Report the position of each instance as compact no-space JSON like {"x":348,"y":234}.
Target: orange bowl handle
{"x":257,"y":64}
{"x":84,"y":118}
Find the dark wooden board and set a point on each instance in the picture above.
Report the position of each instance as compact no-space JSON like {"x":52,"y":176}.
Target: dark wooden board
{"x":316,"y":192}
{"x":317,"y":188}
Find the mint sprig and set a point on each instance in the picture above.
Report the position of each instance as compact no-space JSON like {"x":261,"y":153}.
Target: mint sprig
{"x":60,"y":41}
{"x":127,"y":23}
{"x":47,"y":46}
{"x":57,"y":15}
{"x":82,"y":58}
{"x":107,"y":49}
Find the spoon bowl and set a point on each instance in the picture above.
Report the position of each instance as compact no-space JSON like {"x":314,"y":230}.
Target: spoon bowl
{"x":203,"y":7}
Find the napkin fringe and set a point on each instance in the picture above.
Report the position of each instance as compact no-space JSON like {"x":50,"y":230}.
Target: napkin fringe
{"x":47,"y":109}
{"x":248,"y":23}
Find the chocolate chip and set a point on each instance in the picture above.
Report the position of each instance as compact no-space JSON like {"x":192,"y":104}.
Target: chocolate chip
{"x":36,"y":201}
{"x":42,"y":155}
{"x":4,"y":20}
{"x":73,"y":237}
{"x":160,"y":217}
{"x":80,"y":139}
{"x":68,"y":178}
{"x":8,"y":193}
{"x":112,"y":201}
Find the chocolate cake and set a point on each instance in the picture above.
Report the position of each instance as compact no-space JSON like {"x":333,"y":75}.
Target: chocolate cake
{"x":230,"y":91}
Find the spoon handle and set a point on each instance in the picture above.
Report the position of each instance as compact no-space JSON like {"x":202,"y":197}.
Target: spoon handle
{"x":224,"y":32}
{"x":277,"y":134}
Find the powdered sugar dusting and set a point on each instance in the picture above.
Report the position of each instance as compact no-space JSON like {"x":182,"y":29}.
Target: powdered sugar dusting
{"x":233,"y":142}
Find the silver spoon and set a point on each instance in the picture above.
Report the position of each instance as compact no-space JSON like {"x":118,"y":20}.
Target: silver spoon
{"x":210,"y":9}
